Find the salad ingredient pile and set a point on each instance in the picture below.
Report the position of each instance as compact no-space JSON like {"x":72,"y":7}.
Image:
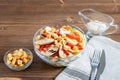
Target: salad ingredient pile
{"x":59,"y":43}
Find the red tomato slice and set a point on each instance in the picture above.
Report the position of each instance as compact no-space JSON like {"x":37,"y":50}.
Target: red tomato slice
{"x":41,"y":48}
{"x":66,"y":52}
{"x":79,"y":47}
{"x":57,"y":32}
{"x":47,"y":46}
{"x":55,"y":54}
{"x":73,"y":36}
{"x":69,"y":44}
{"x":44,"y":47}
{"x":45,"y":34}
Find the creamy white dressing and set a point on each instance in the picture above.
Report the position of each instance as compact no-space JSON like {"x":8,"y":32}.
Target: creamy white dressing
{"x":96,"y":27}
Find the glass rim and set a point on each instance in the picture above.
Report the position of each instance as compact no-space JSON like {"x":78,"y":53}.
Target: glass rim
{"x":94,"y":11}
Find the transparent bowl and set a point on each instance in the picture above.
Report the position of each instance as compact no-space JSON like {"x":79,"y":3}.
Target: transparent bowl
{"x":61,"y":62}
{"x":22,"y":67}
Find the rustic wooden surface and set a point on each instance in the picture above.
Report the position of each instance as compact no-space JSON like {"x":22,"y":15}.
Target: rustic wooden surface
{"x":19,"y":20}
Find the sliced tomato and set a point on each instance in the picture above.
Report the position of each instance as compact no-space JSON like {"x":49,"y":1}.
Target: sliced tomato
{"x":46,"y":47}
{"x":69,"y":44}
{"x":45,"y":34}
{"x":55,"y":54}
{"x":41,"y":48}
{"x":57,"y":32}
{"x":73,"y":36}
{"x":66,"y":52}
{"x":79,"y":47}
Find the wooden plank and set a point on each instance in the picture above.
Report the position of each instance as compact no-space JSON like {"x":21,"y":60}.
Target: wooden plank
{"x":42,"y":19}
{"x":52,"y":9}
{"x":117,"y":1}
{"x":90,"y":1}
{"x":26,"y":78}
{"x":53,"y":6}
{"x":118,"y":7}
{"x":27,"y":2}
{"x":52,"y":1}
{"x":41,"y":70}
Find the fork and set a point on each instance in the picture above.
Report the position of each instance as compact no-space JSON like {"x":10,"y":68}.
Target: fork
{"x":95,"y":63}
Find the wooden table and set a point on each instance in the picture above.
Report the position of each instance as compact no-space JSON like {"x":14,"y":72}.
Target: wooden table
{"x":19,"y":20}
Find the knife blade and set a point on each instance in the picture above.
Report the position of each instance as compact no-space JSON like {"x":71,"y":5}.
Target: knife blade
{"x":101,"y":65}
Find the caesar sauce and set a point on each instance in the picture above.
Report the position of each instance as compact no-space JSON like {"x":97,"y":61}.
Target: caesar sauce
{"x":96,"y":27}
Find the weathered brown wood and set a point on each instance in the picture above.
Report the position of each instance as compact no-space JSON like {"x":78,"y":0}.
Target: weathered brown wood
{"x":19,"y":20}
{"x":54,"y":9}
{"x":26,"y":78}
{"x":54,"y":6}
{"x":36,"y":70}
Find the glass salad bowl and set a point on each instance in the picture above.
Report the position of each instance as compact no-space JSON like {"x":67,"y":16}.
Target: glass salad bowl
{"x":59,"y":45}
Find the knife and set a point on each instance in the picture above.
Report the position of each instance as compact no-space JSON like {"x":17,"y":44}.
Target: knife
{"x":101,"y":65}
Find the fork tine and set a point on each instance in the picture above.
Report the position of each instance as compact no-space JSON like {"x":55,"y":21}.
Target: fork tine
{"x":96,"y":56}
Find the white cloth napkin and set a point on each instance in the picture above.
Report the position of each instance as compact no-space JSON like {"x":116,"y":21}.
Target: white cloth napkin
{"x":80,"y":69}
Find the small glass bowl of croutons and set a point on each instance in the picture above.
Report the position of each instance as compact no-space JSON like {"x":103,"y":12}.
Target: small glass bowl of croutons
{"x":18,"y":59}
{"x":58,"y":45}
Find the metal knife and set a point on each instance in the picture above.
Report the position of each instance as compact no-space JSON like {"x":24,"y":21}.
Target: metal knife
{"x":101,"y":65}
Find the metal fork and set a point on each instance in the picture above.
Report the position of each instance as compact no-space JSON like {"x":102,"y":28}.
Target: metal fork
{"x":95,"y":63}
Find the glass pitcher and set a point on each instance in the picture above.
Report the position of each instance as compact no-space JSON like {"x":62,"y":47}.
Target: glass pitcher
{"x":97,"y":23}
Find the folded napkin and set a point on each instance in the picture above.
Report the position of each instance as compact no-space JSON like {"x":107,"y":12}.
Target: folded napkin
{"x":80,"y":69}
